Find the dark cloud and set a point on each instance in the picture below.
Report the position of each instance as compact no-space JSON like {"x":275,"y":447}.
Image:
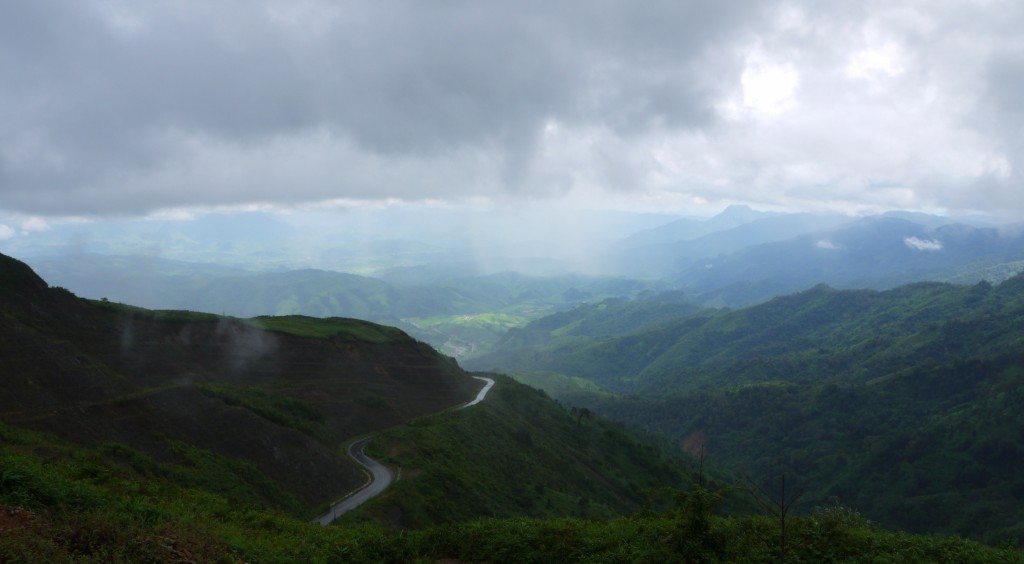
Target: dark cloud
{"x":1006,"y":83}
{"x":1001,"y":115}
{"x":112,"y":106}
{"x":104,"y":95}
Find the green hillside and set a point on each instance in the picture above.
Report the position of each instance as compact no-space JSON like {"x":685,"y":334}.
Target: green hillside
{"x":819,"y":333}
{"x":516,"y":454}
{"x":930,"y":450}
{"x":904,"y":403}
{"x":460,"y":315}
{"x":280,"y":395}
{"x":65,"y":503}
{"x":153,"y":436}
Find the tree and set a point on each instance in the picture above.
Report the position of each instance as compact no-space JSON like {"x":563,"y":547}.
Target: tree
{"x":778,"y":506}
{"x":580,"y":413}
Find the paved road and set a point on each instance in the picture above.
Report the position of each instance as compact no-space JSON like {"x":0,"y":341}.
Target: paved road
{"x":381,"y":476}
{"x":483,"y":392}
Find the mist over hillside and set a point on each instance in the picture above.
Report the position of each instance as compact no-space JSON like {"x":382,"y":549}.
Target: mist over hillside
{"x":460,"y":280}
{"x":748,"y":276}
{"x":422,"y":244}
{"x":370,"y":240}
{"x":819,"y":346}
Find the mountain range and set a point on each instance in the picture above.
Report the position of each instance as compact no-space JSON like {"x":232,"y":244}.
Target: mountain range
{"x":136,"y":434}
{"x":874,"y":361}
{"x":903,"y":402}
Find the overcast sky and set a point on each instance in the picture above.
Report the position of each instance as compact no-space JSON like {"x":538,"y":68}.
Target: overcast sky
{"x":129,"y":107}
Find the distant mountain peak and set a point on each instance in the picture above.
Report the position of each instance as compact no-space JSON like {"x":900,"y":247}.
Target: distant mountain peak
{"x":734,"y":208}
{"x":741,"y":212}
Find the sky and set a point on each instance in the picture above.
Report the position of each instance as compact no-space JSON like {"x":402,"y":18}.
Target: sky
{"x":161,"y":108}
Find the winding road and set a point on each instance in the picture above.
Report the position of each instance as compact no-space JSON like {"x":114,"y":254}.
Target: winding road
{"x":380,"y":475}
{"x":380,"y":478}
{"x":483,"y":392}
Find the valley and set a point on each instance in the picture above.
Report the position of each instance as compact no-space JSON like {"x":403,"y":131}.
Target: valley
{"x":482,"y":282}
{"x":912,"y":390}
{"x":172,"y":413}
{"x":834,"y":388}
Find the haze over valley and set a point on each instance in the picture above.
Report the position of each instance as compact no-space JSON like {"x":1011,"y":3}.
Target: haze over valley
{"x":685,"y":281}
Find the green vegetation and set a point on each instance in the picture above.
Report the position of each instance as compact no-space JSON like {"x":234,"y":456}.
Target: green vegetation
{"x":818,"y":333}
{"x":155,"y":314}
{"x":516,"y":454}
{"x":64,"y":503}
{"x":903,"y":403}
{"x":457,"y":314}
{"x":283,"y":410}
{"x":38,"y":470}
{"x":190,"y":437}
{"x":660,"y":539}
{"x":273,"y":396}
{"x":17,"y":277}
{"x":337,"y":327}
{"x":928,"y":450}
{"x":374,"y":402}
{"x":559,"y":385}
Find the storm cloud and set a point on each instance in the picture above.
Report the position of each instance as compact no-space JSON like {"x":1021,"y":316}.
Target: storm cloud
{"x":121,"y":108}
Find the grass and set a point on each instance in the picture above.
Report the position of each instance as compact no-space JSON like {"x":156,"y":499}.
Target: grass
{"x":336,"y":327}
{"x":283,"y":410}
{"x":559,"y":385}
{"x":493,"y":321}
{"x":299,"y":325}
{"x":159,"y":314}
{"x":62,"y":503}
{"x":518,"y":453}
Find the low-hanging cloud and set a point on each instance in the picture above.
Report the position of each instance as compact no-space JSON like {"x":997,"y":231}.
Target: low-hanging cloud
{"x":919,"y":244}
{"x":114,"y":107}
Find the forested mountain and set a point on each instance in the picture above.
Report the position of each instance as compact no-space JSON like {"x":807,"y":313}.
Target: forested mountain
{"x":900,"y":400}
{"x":821,"y":332}
{"x":463,"y":307}
{"x":521,"y":455}
{"x":166,"y":284}
{"x":461,"y":315}
{"x":269,"y":400}
{"x":905,"y":402}
{"x":130,"y":434}
{"x":936,"y":448}
{"x":161,"y":382}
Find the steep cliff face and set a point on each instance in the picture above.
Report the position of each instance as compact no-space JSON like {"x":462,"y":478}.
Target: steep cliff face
{"x":99,"y":372}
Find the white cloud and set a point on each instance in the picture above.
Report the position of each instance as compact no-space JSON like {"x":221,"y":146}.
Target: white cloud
{"x":886,"y":60}
{"x":769,"y":89}
{"x":825,"y":244}
{"x":34,"y":224}
{"x":788,"y":103}
{"x":923,"y":244}
{"x":6,"y":232}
